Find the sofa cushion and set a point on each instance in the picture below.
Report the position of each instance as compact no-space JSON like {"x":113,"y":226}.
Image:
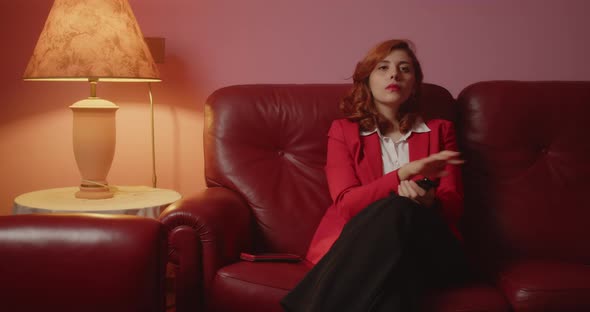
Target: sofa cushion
{"x":547,"y":286}
{"x":526,"y":170}
{"x":469,"y":298}
{"x":255,"y":286}
{"x":259,"y":286}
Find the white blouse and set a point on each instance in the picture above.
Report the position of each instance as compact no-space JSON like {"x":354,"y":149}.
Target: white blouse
{"x":396,"y":154}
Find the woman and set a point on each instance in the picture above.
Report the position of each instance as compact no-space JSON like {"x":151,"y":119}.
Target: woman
{"x":385,"y":239}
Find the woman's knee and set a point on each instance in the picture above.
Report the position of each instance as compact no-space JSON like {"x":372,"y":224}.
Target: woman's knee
{"x":390,"y":211}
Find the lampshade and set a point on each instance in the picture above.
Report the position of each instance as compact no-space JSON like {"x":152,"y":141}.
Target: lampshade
{"x":91,"y":39}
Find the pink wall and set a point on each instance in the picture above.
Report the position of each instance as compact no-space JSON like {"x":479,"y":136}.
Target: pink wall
{"x":215,"y":43}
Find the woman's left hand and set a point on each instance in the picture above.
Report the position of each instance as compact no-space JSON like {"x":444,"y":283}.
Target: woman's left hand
{"x":411,"y":190}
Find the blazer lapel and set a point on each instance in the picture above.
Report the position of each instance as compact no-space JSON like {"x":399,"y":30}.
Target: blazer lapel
{"x":419,"y":145}
{"x":373,"y":155}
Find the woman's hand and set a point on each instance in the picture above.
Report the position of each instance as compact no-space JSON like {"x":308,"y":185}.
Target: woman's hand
{"x":432,"y":166}
{"x":413,"y":191}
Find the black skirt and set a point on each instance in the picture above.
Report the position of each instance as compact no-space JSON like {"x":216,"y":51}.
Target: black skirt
{"x":384,"y":260}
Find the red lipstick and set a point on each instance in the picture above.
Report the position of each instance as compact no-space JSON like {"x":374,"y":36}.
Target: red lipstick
{"x":393,"y":87}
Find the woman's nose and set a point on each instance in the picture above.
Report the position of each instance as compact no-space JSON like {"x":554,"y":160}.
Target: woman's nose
{"x":395,"y":75}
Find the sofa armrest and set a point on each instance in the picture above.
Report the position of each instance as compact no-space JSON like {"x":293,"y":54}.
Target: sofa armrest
{"x":206,"y":232}
{"x":82,"y":262}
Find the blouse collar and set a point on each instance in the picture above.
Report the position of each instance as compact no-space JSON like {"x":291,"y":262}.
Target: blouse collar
{"x":418,"y":127}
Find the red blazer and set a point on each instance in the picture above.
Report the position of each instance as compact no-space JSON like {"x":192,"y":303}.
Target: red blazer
{"x":354,"y":170}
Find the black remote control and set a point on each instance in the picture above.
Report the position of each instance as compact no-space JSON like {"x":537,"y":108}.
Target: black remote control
{"x":426,"y":183}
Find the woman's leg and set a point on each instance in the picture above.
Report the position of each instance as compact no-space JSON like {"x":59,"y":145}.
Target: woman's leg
{"x":382,"y":261}
{"x":435,"y":250}
{"x":432,"y":258}
{"x":352,"y":275}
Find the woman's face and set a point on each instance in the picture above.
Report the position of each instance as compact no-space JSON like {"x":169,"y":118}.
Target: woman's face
{"x":393,"y":79}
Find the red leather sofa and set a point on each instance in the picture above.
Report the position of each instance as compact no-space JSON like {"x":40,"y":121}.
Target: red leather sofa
{"x":526,"y":220}
{"x":82,"y":262}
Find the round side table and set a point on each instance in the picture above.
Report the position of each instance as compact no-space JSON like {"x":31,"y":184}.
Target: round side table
{"x":131,"y":200}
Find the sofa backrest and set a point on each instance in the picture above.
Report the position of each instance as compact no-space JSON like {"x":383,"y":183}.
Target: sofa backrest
{"x":527,"y":169}
{"x":268,"y":143}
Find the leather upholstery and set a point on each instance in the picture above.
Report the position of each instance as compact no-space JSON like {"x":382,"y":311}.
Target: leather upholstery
{"x":529,"y":163}
{"x":254,"y":286}
{"x":268,"y":145}
{"x":547,"y":285}
{"x":476,"y":297}
{"x":265,"y":149}
{"x":81,"y":263}
{"x":526,"y":216}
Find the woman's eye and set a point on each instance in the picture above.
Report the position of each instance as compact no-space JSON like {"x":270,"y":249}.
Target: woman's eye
{"x":383,"y":67}
{"x":405,"y":69}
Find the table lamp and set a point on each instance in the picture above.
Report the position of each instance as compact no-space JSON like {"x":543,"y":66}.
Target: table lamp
{"x":92,"y":40}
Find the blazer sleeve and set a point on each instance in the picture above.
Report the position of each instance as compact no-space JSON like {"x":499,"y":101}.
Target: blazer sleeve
{"x":449,"y":193}
{"x":349,"y":195}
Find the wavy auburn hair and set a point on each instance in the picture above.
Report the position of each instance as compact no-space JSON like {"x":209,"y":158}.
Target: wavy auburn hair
{"x":358,"y":104}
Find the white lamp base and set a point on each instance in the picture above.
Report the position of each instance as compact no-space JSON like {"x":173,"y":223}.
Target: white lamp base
{"x":94,"y":136}
{"x":93,"y":192}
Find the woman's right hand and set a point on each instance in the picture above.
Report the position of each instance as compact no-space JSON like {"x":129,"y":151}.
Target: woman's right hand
{"x":432,"y":166}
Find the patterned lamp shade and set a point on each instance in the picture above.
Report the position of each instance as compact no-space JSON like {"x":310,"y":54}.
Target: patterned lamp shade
{"x":96,"y":40}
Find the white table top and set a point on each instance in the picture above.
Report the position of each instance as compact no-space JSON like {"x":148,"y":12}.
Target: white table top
{"x":139,"y":200}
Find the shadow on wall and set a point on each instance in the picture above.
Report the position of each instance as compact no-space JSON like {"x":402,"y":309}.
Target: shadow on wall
{"x":183,"y":92}
{"x":178,"y":104}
